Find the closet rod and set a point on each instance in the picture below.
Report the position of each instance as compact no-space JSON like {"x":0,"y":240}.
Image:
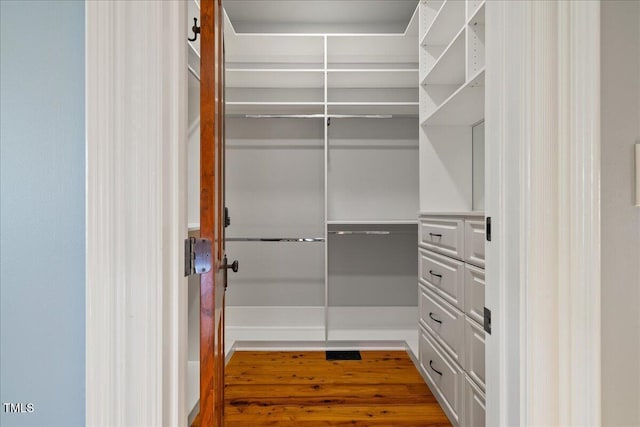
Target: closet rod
{"x":276,"y":239}
{"x":367,"y":232}
{"x":284,"y":116}
{"x":193,"y":72}
{"x":360,"y":116}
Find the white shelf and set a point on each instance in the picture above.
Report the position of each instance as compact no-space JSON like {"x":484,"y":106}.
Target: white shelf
{"x":373,"y":78}
{"x":477,"y":15}
{"x":449,"y":68}
{"x":266,"y":108}
{"x":464,"y":107}
{"x":274,"y":78}
{"x":373,"y":66}
{"x":273,"y":66}
{"x":447,"y":22}
{"x":373,"y":222}
{"x":373,"y":108}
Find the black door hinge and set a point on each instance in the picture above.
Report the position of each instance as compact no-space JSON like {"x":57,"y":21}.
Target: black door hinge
{"x":488,"y":228}
{"x":487,"y":320}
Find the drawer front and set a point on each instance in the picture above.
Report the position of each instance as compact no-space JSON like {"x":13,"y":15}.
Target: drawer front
{"x":445,"y":236}
{"x":445,"y":276}
{"x":474,"y":293}
{"x":474,"y":405}
{"x":474,"y":352}
{"x":443,"y":374}
{"x":444,"y":322}
{"x":474,"y":242}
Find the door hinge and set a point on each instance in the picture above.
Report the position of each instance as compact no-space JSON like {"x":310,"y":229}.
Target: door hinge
{"x":197,"y":256}
{"x":227,"y":218}
{"x":487,"y":320}
{"x":488,"y":228}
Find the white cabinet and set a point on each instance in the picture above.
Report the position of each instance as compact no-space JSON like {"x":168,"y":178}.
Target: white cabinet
{"x":444,"y":322}
{"x":474,"y":352}
{"x":451,"y":306}
{"x":474,"y":405}
{"x":474,"y":237}
{"x":444,"y":374}
{"x":444,"y":276}
{"x":474,"y":293}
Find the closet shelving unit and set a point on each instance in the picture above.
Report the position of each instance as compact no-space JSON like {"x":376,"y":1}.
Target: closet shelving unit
{"x":451,"y":221}
{"x":322,"y":144}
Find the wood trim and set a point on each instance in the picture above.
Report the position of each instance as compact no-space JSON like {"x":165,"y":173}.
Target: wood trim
{"x":543,"y":264}
{"x":136,"y":302}
{"x":212,"y":213}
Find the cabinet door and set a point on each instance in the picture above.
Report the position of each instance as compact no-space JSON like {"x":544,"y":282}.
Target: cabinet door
{"x":474,"y":293}
{"x":443,"y":275}
{"x":474,"y":242}
{"x":474,"y":405}
{"x":445,"y":236}
{"x":444,"y":322}
{"x":443,"y":375}
{"x":474,"y":352}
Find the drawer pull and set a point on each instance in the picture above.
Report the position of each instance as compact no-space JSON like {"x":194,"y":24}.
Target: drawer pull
{"x":435,"y":274}
{"x":434,"y":319}
{"x":434,"y":369}
{"x":435,"y":235}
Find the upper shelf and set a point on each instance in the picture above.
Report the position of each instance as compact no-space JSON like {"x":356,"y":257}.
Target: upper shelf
{"x":449,"y":68}
{"x":373,"y":78}
{"x":274,"y":78}
{"x":464,"y":107}
{"x":373,"y":108}
{"x":273,"y":108}
{"x":446,"y":24}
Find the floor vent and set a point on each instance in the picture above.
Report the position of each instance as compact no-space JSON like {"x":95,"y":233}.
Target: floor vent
{"x":344,"y":355}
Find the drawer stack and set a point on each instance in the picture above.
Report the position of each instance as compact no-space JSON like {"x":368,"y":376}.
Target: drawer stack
{"x":451,"y":310}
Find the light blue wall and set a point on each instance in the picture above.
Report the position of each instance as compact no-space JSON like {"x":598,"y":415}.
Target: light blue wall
{"x":42,"y":180}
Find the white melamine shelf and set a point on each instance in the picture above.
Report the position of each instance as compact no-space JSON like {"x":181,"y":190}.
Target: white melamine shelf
{"x":464,"y":107}
{"x":373,"y":66}
{"x":477,"y":16}
{"x":373,"y":78}
{"x":447,"y":22}
{"x":449,"y":68}
{"x":272,"y":66}
{"x":374,"y":222}
{"x":274,"y":78}
{"x":373,"y":108}
{"x":266,"y":108}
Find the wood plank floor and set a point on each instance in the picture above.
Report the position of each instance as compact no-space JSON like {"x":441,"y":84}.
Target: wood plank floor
{"x":303,"y":389}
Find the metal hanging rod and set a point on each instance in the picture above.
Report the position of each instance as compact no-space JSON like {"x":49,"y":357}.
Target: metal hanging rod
{"x":276,"y":239}
{"x":284,"y":116}
{"x":367,"y":232}
{"x":318,"y":116}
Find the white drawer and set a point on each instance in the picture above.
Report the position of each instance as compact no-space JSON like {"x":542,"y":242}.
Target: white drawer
{"x":474,"y":242}
{"x":444,"y":275}
{"x":474,"y":293}
{"x":474,"y":405}
{"x":474,"y":352}
{"x":443,"y":374}
{"x":444,"y":322}
{"x":445,"y":236}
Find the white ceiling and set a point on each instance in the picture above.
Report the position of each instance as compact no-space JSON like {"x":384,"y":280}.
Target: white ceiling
{"x":320,"y":16}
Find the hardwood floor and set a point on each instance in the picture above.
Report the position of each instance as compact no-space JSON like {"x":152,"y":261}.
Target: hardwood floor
{"x":303,"y":389}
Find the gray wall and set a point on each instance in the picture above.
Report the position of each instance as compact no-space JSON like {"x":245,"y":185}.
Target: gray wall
{"x":620,"y":219}
{"x":42,"y":179}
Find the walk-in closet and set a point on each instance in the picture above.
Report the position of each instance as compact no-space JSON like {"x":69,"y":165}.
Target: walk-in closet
{"x":354,"y":184}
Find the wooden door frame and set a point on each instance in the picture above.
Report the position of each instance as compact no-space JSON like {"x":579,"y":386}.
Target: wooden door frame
{"x":543,"y":195}
{"x":136,"y":222}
